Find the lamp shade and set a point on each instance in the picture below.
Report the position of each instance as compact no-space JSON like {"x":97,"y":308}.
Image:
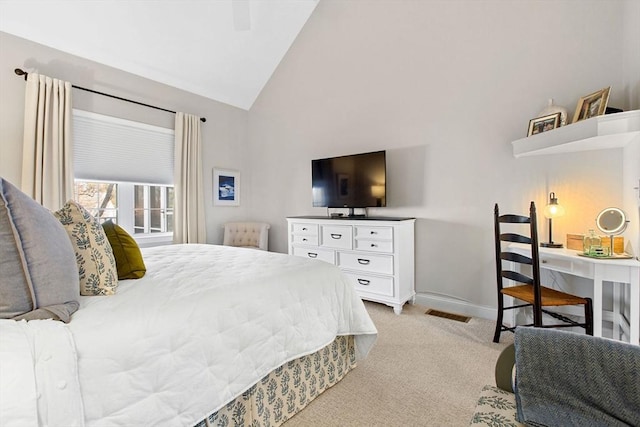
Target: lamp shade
{"x":553,"y":209}
{"x":377,"y":191}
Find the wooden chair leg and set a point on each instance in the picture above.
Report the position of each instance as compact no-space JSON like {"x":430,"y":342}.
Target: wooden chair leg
{"x":537,"y":316}
{"x":496,"y":335}
{"x":588,"y":315}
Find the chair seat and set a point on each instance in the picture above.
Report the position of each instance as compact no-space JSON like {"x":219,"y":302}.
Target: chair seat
{"x":550,"y":297}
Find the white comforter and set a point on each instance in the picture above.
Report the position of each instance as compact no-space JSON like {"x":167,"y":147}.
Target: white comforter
{"x":204,"y":324}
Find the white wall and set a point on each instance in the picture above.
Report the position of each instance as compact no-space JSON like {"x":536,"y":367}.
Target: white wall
{"x":224,"y":133}
{"x":631,"y":60}
{"x":444,"y":87}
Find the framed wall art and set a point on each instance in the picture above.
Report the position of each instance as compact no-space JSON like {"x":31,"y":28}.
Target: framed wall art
{"x":226,"y":187}
{"x":594,"y":104}
{"x":544,"y":123}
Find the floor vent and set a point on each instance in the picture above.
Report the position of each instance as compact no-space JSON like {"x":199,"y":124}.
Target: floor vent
{"x":446,"y":315}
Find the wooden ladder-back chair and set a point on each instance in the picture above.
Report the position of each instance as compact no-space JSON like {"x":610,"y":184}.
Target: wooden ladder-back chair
{"x":528,"y":290}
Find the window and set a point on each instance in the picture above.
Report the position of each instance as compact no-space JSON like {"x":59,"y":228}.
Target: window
{"x":153,"y":210}
{"x":111,"y":180}
{"x":99,"y":198}
{"x":152,"y":205}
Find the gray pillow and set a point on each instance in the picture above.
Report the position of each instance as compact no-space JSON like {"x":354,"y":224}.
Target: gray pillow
{"x":38,"y":271}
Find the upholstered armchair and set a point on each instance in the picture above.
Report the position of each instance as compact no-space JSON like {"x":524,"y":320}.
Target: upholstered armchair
{"x":247,"y":235}
{"x":562,"y":379}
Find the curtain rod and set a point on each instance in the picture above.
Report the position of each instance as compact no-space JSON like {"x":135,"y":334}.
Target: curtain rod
{"x":20,"y":72}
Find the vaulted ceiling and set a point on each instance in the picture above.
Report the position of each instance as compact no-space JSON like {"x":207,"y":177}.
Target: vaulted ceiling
{"x":225,"y":50}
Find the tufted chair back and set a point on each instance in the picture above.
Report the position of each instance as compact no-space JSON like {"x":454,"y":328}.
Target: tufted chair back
{"x":247,"y":235}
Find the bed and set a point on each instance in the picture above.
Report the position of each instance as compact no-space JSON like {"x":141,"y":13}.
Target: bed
{"x":210,"y":335}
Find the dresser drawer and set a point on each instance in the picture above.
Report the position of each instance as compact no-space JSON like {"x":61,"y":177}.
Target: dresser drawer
{"x":336,"y":236}
{"x":383,"y":233}
{"x":303,"y":239}
{"x":376,"y":256}
{"x":297,"y":228}
{"x":371,"y":284}
{"x":576,"y":266}
{"x":374,"y":245}
{"x":315,"y":253}
{"x":366,"y":262}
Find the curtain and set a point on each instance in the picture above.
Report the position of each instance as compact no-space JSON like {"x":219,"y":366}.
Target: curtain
{"x":189,"y":221}
{"x":47,"y":153}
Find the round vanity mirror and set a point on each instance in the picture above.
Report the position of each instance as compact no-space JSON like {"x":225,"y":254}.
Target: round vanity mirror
{"x":612,"y":221}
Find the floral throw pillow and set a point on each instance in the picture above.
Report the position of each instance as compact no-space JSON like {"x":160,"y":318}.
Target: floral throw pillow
{"x":94,"y":256}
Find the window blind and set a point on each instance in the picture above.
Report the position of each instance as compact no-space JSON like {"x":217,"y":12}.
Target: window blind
{"x":112,"y":149}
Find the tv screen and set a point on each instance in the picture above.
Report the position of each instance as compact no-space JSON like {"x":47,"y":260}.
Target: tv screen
{"x":355,"y":181}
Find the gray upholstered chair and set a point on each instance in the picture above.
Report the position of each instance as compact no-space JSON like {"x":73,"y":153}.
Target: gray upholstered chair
{"x":562,"y":379}
{"x":247,"y":235}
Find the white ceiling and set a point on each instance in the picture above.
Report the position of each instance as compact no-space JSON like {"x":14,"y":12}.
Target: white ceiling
{"x":225,"y":50}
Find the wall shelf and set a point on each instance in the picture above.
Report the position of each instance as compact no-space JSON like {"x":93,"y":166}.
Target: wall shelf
{"x":597,"y":133}
{"x":619,"y":130}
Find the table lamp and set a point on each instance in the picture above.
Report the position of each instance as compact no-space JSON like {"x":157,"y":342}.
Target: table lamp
{"x":552,"y":210}
{"x":378,"y":192}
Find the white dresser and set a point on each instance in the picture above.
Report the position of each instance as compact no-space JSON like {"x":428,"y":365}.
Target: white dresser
{"x":376,"y":254}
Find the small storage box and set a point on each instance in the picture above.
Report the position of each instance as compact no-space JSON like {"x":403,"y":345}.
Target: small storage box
{"x":618,"y":243}
{"x":575,"y":242}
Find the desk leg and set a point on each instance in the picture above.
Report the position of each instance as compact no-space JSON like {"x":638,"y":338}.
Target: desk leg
{"x":634,"y":309}
{"x":617,"y":313}
{"x":597,"y":303}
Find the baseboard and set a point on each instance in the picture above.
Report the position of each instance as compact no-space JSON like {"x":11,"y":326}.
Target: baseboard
{"x":452,"y":305}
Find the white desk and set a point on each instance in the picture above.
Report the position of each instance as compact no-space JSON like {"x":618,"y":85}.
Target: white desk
{"x":616,"y":271}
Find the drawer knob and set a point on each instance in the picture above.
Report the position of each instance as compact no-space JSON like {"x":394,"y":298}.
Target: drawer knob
{"x":336,"y":236}
{"x":544,"y":261}
{"x":373,"y":232}
{"x":312,"y":255}
{"x":304,"y":228}
{"x":373,"y":245}
{"x":304,"y":239}
{"x":363,"y":261}
{"x":364,"y":282}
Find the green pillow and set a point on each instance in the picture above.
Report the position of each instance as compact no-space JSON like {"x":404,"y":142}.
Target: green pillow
{"x":126,"y":252}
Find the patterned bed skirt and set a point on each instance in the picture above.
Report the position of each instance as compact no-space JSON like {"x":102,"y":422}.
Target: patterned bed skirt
{"x":288,"y":389}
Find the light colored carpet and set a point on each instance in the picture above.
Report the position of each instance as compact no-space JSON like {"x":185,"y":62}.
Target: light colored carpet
{"x":422,"y":371}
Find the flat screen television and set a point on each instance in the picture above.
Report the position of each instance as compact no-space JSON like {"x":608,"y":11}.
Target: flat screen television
{"x":354,"y":181}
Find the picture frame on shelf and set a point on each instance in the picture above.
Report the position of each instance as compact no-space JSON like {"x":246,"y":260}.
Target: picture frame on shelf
{"x":592,"y":105}
{"x":226,"y":187}
{"x":544,"y":123}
